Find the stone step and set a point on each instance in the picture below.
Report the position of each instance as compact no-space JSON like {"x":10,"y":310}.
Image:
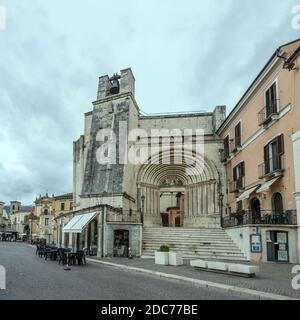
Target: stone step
{"x":159,"y":242}
{"x":194,"y":248}
{"x":195,"y":236}
{"x":185,"y":229}
{"x":185,"y":237}
{"x":197,"y":250}
{"x":192,"y":243}
{"x":164,"y":240}
{"x":204,"y":257}
{"x":180,"y":231}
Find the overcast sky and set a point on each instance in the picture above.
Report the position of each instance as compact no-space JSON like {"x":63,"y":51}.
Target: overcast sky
{"x":185,"y":55}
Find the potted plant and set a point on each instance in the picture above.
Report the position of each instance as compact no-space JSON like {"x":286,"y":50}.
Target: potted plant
{"x":162,"y":255}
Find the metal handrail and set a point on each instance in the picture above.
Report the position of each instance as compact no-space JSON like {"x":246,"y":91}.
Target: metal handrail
{"x":273,"y":164}
{"x":248,"y":217}
{"x":266,"y":113}
{"x":235,"y":186}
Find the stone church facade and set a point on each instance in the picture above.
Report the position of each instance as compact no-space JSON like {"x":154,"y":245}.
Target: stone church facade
{"x":157,"y":191}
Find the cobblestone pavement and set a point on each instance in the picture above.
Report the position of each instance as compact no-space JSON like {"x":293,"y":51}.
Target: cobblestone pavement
{"x":273,"y":277}
{"x":30,"y":277}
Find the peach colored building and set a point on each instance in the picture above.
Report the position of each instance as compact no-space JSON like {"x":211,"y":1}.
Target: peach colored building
{"x":260,"y":206}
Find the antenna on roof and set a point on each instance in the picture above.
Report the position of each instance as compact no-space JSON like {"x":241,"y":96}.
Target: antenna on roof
{"x":287,"y":64}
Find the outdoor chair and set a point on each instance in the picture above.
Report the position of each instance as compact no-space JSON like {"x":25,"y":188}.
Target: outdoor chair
{"x":79,"y":256}
{"x":85,"y":253}
{"x":41,"y":252}
{"x":62,"y":257}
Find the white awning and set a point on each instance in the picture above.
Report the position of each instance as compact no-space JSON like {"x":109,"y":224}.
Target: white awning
{"x":78,"y":223}
{"x":266,"y":186}
{"x":71,"y":223}
{"x":246,"y":194}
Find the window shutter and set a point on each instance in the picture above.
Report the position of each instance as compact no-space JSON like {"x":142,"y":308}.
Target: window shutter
{"x":266,"y":153}
{"x":268,"y":100}
{"x":226,"y":144}
{"x":243,"y":169}
{"x":280,"y":144}
{"x":238,"y":134}
{"x":234,"y":174}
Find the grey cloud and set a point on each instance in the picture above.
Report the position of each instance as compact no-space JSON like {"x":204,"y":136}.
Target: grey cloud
{"x":183,"y":56}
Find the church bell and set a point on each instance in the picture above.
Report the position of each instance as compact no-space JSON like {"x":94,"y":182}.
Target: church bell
{"x":115,"y":84}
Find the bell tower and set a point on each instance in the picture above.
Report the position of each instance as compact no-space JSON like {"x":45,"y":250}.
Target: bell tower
{"x":117,"y":84}
{"x":111,"y":183}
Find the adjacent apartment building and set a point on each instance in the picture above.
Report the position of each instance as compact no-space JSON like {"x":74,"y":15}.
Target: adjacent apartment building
{"x":261,"y":154}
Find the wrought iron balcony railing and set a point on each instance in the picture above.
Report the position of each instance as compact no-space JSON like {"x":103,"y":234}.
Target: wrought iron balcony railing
{"x":267,"y":113}
{"x":243,"y":218}
{"x":225,"y":155}
{"x":235,"y":144}
{"x":271,"y":166}
{"x":236,"y":186}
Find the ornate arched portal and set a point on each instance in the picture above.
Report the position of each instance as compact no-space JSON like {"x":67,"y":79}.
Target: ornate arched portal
{"x":198,"y":185}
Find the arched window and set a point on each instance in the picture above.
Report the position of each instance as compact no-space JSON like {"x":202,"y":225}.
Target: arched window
{"x":277,"y":203}
{"x":255,"y":210}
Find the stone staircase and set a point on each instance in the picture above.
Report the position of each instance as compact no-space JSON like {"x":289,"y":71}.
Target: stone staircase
{"x":210,"y":244}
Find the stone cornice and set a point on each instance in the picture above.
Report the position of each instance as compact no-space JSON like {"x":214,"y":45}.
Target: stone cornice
{"x":116,"y":97}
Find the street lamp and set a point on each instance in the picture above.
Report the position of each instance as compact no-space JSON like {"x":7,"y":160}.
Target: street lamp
{"x":142,"y":211}
{"x":221,"y":207}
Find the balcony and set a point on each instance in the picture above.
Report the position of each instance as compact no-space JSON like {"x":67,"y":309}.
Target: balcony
{"x":236,"y":186}
{"x":224,"y":155}
{"x":235,"y":144}
{"x":267,"y":114}
{"x":244,"y":218}
{"x":272,"y":166}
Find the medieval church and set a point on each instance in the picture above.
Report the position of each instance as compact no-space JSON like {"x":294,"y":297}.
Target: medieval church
{"x":129,"y":206}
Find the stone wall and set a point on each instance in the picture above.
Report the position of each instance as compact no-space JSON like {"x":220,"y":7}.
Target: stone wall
{"x":135,"y":237}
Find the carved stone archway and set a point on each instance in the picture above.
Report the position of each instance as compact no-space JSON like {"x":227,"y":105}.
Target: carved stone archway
{"x":200,"y":185}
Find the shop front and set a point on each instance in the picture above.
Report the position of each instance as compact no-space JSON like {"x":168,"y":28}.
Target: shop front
{"x":81,"y":232}
{"x":266,"y":243}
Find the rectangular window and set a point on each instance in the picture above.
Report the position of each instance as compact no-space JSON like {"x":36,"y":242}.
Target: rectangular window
{"x":271,"y":100}
{"x":238,"y":135}
{"x":46,"y":221}
{"x":273,"y":152}
{"x":226,"y":147}
{"x":62,"y":206}
{"x":239,"y":174}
